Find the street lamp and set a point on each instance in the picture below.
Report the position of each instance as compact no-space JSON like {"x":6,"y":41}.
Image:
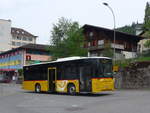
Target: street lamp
{"x":106,"y":4}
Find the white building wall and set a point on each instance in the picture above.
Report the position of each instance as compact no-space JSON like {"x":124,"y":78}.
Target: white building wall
{"x":5,"y":35}
{"x":141,"y":46}
{"x":129,"y":54}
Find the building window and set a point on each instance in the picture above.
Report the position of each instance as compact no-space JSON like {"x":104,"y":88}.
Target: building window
{"x":89,"y":44}
{"x":23,"y":43}
{"x":24,"y":38}
{"x":18,"y":44}
{"x":100,"y":42}
{"x":28,"y":57}
{"x":18,"y":38}
{"x":13,"y":43}
{"x":125,"y":45}
{"x":30,"y":39}
{"x":91,"y":34}
{"x":17,"y":31}
{"x":14,"y":38}
{"x":94,"y":43}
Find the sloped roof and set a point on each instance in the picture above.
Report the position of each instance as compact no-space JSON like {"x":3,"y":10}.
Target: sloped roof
{"x":20,"y":31}
{"x":38,"y":47}
{"x":35,"y":46}
{"x":86,"y":26}
{"x":145,"y":35}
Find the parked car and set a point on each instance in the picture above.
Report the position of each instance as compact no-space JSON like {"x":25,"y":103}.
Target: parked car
{"x":4,"y":79}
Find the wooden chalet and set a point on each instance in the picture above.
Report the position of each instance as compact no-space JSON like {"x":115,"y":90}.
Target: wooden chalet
{"x":97,"y":37}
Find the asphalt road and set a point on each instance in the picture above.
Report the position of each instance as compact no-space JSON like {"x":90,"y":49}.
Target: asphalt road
{"x":15,"y":100}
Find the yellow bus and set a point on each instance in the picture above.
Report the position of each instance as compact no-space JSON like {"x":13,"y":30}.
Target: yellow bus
{"x":70,"y":75}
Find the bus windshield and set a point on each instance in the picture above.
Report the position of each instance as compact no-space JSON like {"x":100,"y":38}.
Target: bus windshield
{"x":103,"y":68}
{"x":107,"y":68}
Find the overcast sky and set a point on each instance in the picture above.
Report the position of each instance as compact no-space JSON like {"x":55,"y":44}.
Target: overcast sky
{"x":38,"y":16}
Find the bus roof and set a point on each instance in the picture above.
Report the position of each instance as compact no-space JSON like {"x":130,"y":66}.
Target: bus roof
{"x":70,"y":59}
{"x":78,"y":58}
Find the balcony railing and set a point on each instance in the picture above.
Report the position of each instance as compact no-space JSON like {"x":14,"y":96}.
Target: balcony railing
{"x":96,"y":47}
{"x":117,"y":46}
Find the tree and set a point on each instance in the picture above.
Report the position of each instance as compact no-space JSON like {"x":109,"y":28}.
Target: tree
{"x":130,"y":29}
{"x":147,"y":24}
{"x":67,"y":39}
{"x":147,"y":18}
{"x":60,"y":30}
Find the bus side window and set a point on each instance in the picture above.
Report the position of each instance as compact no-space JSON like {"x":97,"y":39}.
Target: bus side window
{"x":74,"y":72}
{"x":43,"y":74}
{"x":70,"y":72}
{"x":29,"y":74}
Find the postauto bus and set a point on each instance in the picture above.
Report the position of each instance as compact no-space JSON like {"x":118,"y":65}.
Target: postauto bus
{"x":71,"y":75}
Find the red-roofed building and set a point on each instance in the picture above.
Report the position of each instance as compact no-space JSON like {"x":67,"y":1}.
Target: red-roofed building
{"x":13,"y":60}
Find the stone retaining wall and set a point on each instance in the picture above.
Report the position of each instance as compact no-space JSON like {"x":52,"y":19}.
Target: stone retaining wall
{"x":136,"y":75}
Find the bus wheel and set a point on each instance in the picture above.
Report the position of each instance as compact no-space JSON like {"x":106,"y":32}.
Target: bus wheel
{"x":71,"y":89}
{"x":37,"y":88}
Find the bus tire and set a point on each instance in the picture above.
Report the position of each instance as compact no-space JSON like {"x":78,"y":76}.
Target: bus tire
{"x":37,"y":88}
{"x":71,"y":89}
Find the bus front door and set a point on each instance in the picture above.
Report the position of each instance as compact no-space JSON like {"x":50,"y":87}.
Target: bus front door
{"x":51,"y":78}
{"x":85,"y":80}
